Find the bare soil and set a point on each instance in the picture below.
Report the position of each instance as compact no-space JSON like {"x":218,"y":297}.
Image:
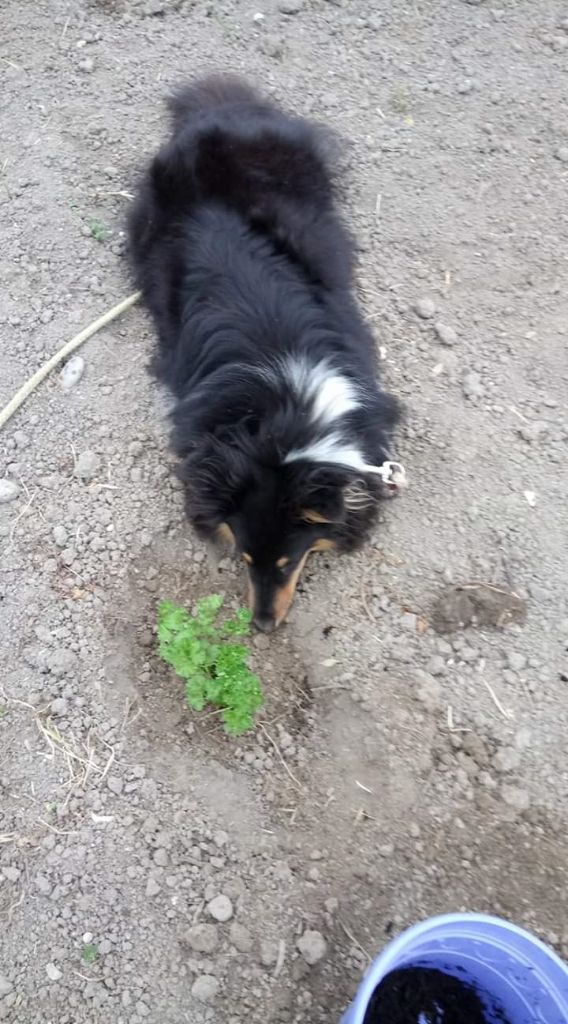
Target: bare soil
{"x":396,"y":772}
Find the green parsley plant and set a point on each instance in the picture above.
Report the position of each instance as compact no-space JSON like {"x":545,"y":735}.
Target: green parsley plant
{"x":203,"y":652}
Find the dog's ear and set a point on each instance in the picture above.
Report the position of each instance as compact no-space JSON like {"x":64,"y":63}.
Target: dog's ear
{"x":320,"y":495}
{"x":215,"y":476}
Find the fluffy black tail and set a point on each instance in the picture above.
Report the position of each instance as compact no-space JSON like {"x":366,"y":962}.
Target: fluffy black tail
{"x":234,"y":148}
{"x":213,"y":93}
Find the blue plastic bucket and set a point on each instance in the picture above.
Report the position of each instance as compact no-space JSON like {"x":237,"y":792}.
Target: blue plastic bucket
{"x":509,"y":968}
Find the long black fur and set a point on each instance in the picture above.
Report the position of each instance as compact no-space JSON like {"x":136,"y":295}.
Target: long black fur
{"x":243,"y":261}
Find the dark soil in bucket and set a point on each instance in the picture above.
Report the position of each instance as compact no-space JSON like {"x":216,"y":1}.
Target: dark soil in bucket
{"x":422,"y":995}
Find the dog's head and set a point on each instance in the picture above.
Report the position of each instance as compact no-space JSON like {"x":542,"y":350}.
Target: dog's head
{"x":275,"y":514}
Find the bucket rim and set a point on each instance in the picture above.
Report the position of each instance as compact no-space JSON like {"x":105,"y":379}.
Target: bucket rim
{"x":387,"y":959}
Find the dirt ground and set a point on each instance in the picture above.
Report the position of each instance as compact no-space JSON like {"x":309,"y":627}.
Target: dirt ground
{"x":396,"y":772}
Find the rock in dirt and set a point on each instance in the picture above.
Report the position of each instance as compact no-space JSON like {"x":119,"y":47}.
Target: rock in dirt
{"x":424,"y":308}
{"x":59,"y":707}
{"x":43,"y":885}
{"x":446,"y":335}
{"x":9,"y":491}
{"x":53,"y":972}
{"x":507,"y":759}
{"x":152,"y":887}
{"x":240,"y":937}
{"x":60,"y":661}
{"x":312,"y":947}
{"x":428,"y":690}
{"x":477,"y":604}
{"x":87,"y":465}
{"x":5,"y":986}
{"x":516,"y":661}
{"x":72,"y":372}
{"x":60,"y":535}
{"x":205,"y":988}
{"x":473,"y":745}
{"x":268,"y":952}
{"x":515,"y":797}
{"x":202,"y":938}
{"x":221,"y":908}
{"x":562,"y":154}
{"x":290,"y":6}
{"x":472,"y":386}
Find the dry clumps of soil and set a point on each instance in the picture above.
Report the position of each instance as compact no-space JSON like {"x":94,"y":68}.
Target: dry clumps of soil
{"x":150,"y":868}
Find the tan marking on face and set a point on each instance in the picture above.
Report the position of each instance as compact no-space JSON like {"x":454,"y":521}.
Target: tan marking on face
{"x":284,"y":597}
{"x":225,"y":534}
{"x":247,"y":558}
{"x":282,"y":562}
{"x":309,"y":515}
{"x":324,"y":544}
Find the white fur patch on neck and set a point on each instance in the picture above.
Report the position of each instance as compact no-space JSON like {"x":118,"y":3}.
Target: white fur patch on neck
{"x":328,"y":394}
{"x":332,"y":449}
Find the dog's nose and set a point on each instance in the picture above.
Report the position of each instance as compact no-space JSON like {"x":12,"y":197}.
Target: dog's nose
{"x":266,"y":623}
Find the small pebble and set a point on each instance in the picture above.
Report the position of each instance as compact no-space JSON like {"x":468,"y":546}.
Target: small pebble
{"x":44,"y":886}
{"x":240,"y":937}
{"x":9,"y":491}
{"x":60,"y":535}
{"x":87,"y":465}
{"x":205,"y":988}
{"x":562,"y":154}
{"x":72,"y":372}
{"x":425,"y":308}
{"x":59,"y":706}
{"x":446,"y":335}
{"x":202,"y":938}
{"x":220,"y":908}
{"x":290,"y":6}
{"x":152,"y":887}
{"x":268,"y":952}
{"x":11,"y":873}
{"x":5,"y":986}
{"x":517,"y":662}
{"x":428,"y":690}
{"x":472,"y":386}
{"x":312,"y":947}
{"x":507,"y":759}
{"x":515,"y":797}
{"x":53,"y":972}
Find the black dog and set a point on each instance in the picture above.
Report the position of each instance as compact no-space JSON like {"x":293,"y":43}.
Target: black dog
{"x":280,"y":424}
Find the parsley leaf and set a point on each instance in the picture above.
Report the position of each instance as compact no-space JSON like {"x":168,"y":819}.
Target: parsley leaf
{"x":215,"y":668}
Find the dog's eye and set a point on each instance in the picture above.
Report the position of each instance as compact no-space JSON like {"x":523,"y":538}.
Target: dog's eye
{"x":247,"y":558}
{"x":282,"y":562}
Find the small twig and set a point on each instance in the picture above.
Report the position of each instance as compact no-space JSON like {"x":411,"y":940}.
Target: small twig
{"x":123,"y":195}
{"x":14,"y":906}
{"x":279,"y":959}
{"x":357,"y":944}
{"x":58,"y":831}
{"x":364,"y":602}
{"x":364,"y":788}
{"x":40,"y":375}
{"x":278,"y":751}
{"x":378,"y":208}
{"x":496,"y":701}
